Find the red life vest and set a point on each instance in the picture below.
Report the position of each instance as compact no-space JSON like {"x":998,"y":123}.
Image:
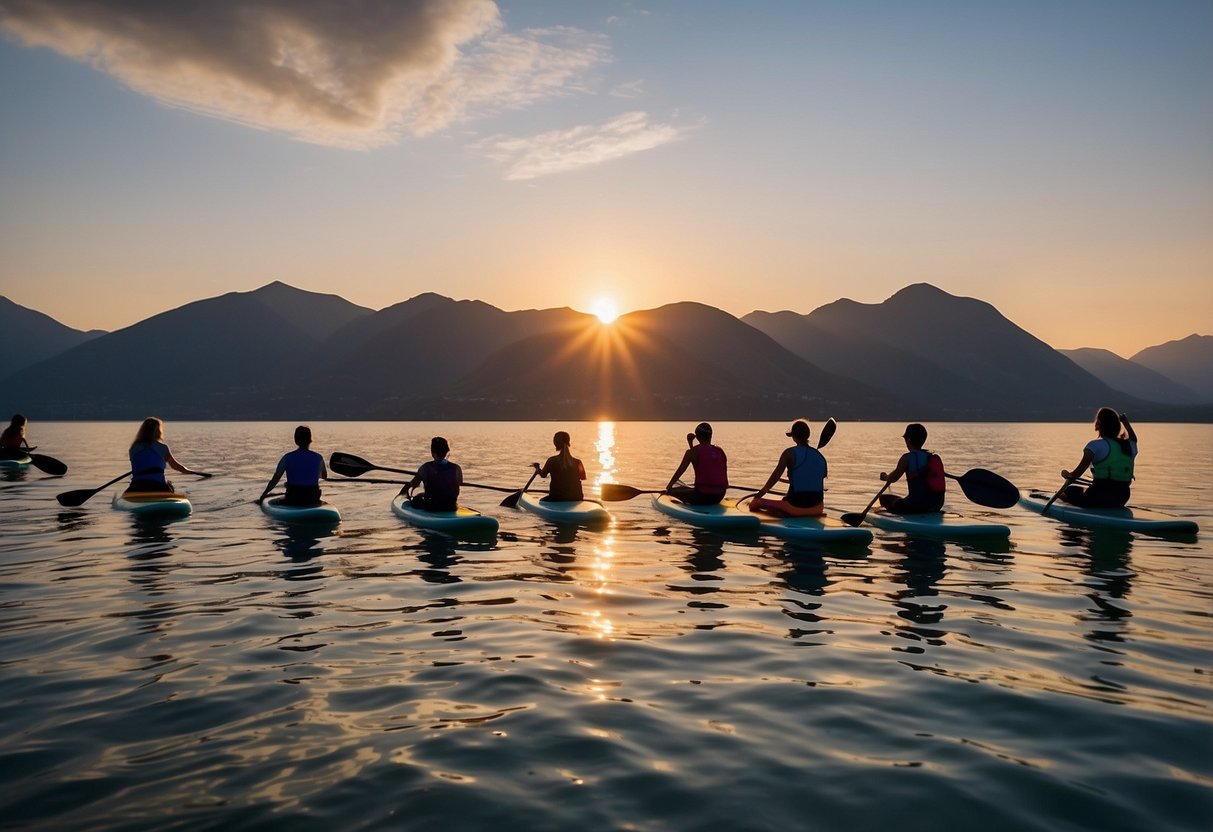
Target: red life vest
{"x":711,"y":470}
{"x":929,"y":475}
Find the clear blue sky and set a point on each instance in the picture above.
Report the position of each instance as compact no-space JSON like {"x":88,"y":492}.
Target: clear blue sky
{"x":1053,"y":158}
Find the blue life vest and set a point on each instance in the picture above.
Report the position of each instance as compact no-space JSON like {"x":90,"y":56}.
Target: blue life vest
{"x":148,"y":462}
{"x":302,"y":468}
{"x":808,"y":470}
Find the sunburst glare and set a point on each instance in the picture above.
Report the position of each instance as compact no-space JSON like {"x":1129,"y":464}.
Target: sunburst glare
{"x":606,"y":309}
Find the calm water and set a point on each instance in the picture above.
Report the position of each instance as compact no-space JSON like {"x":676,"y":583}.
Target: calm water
{"x":223,"y":670}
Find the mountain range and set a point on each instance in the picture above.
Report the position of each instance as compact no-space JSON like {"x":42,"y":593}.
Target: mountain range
{"x":283,"y":353}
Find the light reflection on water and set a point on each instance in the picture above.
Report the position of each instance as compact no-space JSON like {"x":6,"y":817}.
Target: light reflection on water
{"x":227,"y":669}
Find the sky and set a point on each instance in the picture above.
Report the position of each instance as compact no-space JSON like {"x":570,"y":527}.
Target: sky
{"x":1052,"y":158}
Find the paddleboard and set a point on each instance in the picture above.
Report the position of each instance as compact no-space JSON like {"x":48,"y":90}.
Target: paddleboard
{"x":1128,"y":519}
{"x":15,"y":464}
{"x":462,"y":521}
{"x":724,"y":515}
{"x":572,"y":512}
{"x":936,"y":524}
{"x":160,"y":503}
{"x":323,"y":513}
{"x":820,"y":529}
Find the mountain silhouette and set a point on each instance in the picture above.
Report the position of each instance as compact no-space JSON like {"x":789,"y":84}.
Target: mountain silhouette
{"x":954,"y":357}
{"x":28,"y":336}
{"x":1131,"y":377}
{"x":211,"y":359}
{"x":1188,"y":361}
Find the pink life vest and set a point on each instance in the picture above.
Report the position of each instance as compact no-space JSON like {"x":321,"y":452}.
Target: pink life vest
{"x":711,"y":470}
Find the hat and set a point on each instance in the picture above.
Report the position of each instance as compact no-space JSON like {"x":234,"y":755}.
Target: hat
{"x":800,"y":428}
{"x":703,"y":429}
{"x":916,"y":433}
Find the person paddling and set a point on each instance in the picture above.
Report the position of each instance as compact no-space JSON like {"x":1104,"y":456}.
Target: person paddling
{"x":924,"y":475}
{"x":807,"y":470}
{"x":13,"y":444}
{"x":304,"y":469}
{"x":1110,"y":458}
{"x":149,"y":456}
{"x":711,"y":466}
{"x":566,"y":471}
{"x":441,"y":479}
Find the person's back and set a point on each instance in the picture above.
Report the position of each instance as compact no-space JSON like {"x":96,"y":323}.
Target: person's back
{"x":924,"y":475}
{"x":711,"y":469}
{"x":566,"y":479}
{"x":303,"y":468}
{"x":441,"y":479}
{"x":149,"y":459}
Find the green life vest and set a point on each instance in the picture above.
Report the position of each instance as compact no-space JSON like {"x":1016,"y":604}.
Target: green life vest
{"x":1117,"y":465}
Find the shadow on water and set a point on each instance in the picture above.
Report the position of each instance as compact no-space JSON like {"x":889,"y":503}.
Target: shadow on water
{"x":1107,"y":553}
{"x":441,"y":553}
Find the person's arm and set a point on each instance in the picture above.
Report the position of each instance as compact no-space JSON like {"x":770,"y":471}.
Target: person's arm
{"x":278,"y":472}
{"x":407,"y":488}
{"x":686,"y":460}
{"x":177,"y":466}
{"x":545,"y":470}
{"x":580,"y":469}
{"x":902,"y":465}
{"x":324,"y":471}
{"x":1124,"y":420}
{"x":780,"y":467}
{"x":458,"y":475}
{"x":1083,"y":465}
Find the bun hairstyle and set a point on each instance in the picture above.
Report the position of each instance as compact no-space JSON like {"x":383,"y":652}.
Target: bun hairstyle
{"x":703,"y":431}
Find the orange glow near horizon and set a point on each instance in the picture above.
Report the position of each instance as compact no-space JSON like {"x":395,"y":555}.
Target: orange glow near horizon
{"x":606,"y":310}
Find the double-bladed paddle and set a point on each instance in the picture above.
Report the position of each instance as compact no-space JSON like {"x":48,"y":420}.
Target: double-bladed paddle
{"x":512,"y":500}
{"x":349,"y":465}
{"x":1053,"y":499}
{"x":981,"y":486}
{"x":48,"y":465}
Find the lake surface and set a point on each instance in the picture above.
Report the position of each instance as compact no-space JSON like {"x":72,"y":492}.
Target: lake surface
{"x":224,"y":670}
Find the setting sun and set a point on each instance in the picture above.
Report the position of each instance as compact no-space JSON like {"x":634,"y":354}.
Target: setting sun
{"x":606,"y":310}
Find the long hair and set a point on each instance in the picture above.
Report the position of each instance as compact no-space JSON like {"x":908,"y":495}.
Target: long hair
{"x":562,"y":441}
{"x":152,"y":430}
{"x":1107,"y":422}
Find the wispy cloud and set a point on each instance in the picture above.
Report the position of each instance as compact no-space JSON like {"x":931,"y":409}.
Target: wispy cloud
{"x":351,"y":74}
{"x":564,"y":150}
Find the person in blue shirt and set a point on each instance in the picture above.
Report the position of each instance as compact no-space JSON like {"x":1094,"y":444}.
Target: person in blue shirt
{"x":304,"y":469}
{"x":807,"y":470}
{"x":149,"y":458}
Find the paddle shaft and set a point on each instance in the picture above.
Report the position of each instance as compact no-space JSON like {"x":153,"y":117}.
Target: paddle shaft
{"x":512,"y":499}
{"x":855,"y":519}
{"x":348,"y":465}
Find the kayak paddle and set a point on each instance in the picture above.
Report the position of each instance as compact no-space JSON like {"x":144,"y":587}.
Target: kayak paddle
{"x":1053,"y":499}
{"x":852,"y":518}
{"x":48,"y":465}
{"x":349,"y":465}
{"x":613,"y":492}
{"x":512,"y":500}
{"x":71,"y":499}
{"x":827,"y":433}
{"x":987,"y":488}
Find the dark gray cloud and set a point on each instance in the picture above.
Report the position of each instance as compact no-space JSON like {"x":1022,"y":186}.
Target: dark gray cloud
{"x":351,"y":73}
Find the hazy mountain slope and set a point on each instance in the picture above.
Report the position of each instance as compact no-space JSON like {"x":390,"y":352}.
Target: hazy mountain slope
{"x":28,"y":336}
{"x":1188,"y":361}
{"x":1131,"y":377}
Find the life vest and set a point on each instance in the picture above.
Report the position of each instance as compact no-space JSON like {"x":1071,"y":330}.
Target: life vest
{"x":808,"y":471}
{"x":927,"y":476}
{"x":1116,"y":466}
{"x":441,"y":480}
{"x":147,"y":462}
{"x":302,"y":467}
{"x":711,"y":470}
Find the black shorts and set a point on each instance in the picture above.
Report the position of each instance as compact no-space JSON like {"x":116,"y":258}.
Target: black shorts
{"x":302,"y":495}
{"x":692,"y":497}
{"x":425,"y":502}
{"x":912,"y":505}
{"x":805,"y":499}
{"x":1101,"y":494}
{"x":141,"y":486}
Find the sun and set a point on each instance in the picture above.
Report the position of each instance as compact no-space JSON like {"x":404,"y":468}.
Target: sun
{"x":606,"y":309}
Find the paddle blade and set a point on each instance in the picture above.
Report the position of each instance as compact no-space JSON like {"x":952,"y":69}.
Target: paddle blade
{"x":853,"y":518}
{"x":614,"y":492}
{"x":988,"y":489}
{"x":71,"y":499}
{"x":827,"y":433}
{"x":48,"y":465}
{"x":348,"y":465}
{"x":511,"y":501}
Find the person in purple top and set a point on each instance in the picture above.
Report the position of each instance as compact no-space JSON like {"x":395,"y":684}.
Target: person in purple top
{"x":441,"y":479}
{"x":304,"y":469}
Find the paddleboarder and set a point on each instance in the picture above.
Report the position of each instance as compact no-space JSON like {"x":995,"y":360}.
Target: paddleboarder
{"x":149,"y":457}
{"x":304,"y":468}
{"x":1111,"y":458}
{"x":566,"y":471}
{"x":924,"y":475}
{"x":441,"y":479}
{"x":13,"y":444}
{"x":711,"y":466}
{"x":807,"y":470}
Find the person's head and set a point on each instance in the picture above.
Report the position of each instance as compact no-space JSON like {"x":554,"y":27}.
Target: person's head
{"x":915,"y":436}
{"x":1107,"y":422}
{"x":800,"y":431}
{"x":303,"y":436}
{"x":562,"y":440}
{"x":18,"y":421}
{"x":152,"y":430}
{"x":439,"y":447}
{"x":703,"y":432}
